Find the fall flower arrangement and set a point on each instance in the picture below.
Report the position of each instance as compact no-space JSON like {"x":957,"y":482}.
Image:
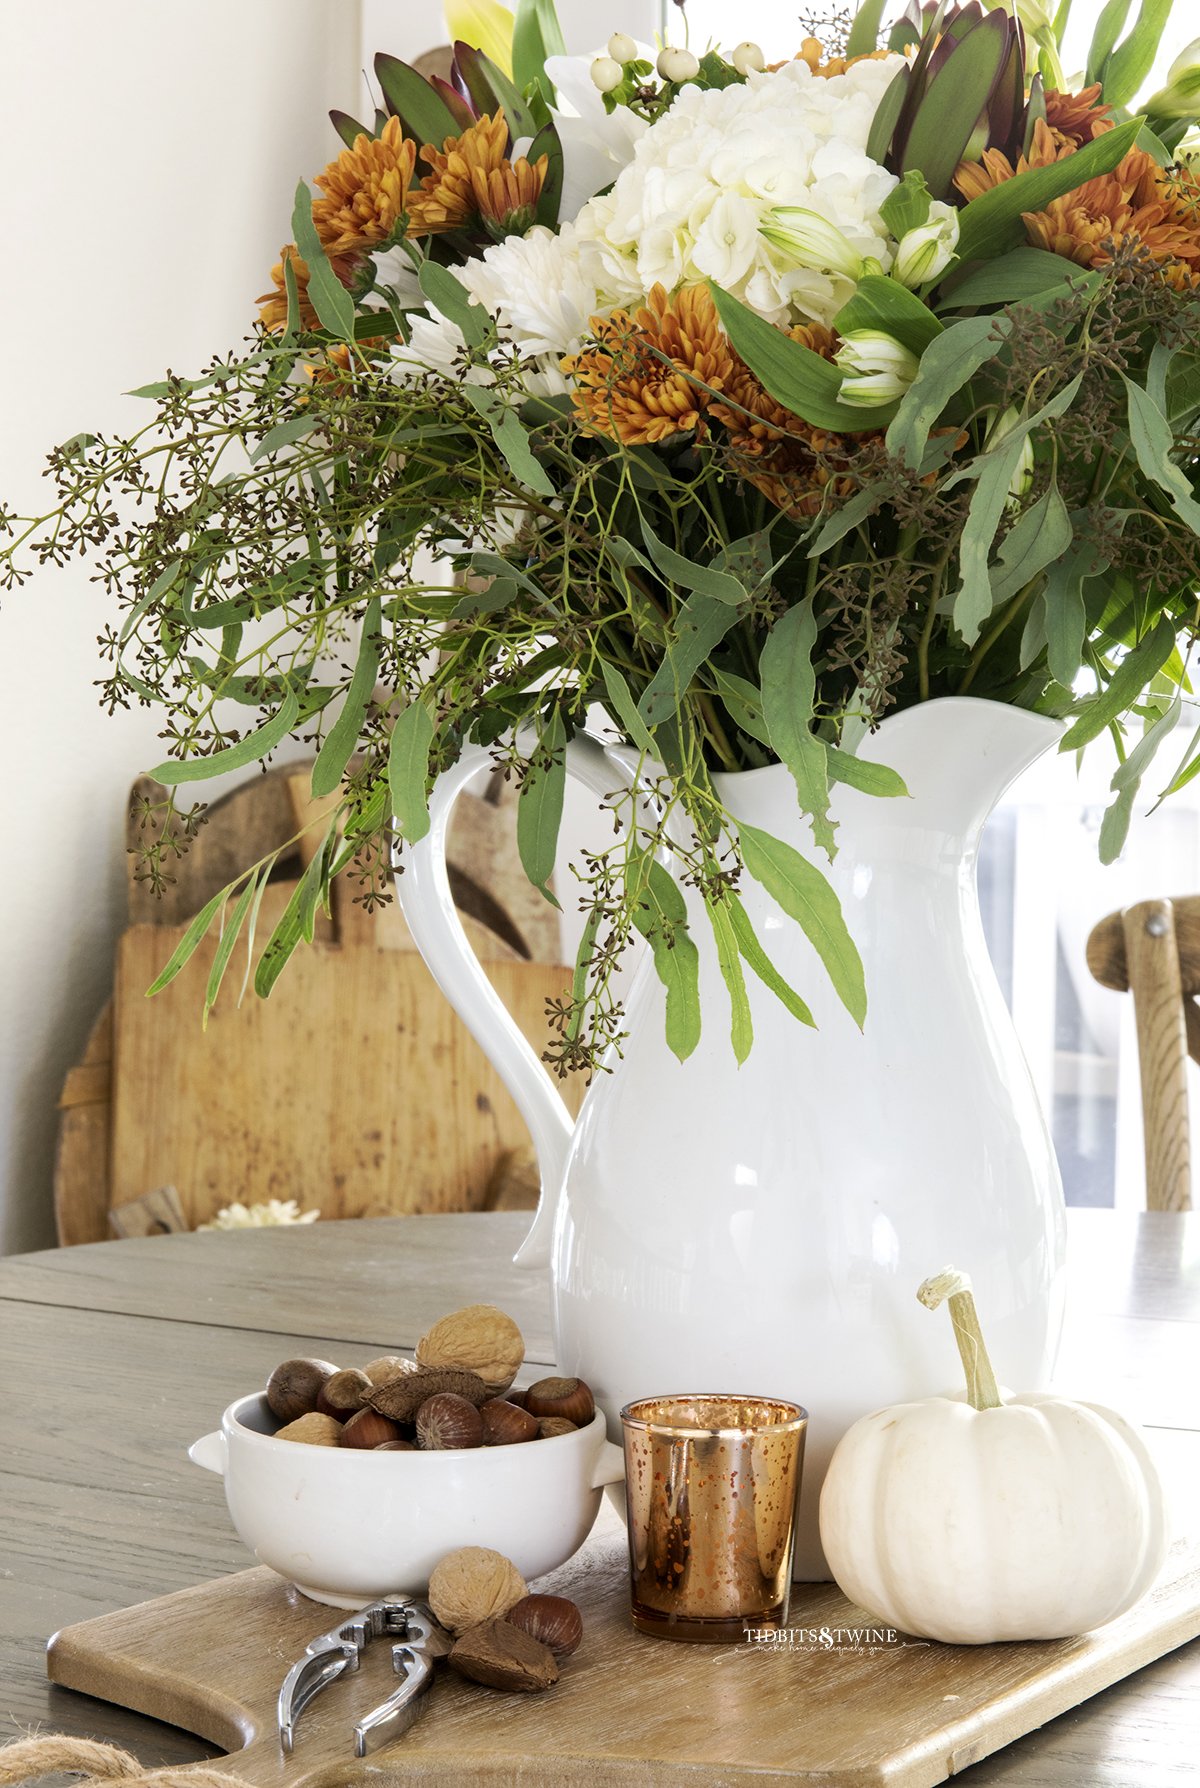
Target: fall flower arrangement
{"x":745,"y":404}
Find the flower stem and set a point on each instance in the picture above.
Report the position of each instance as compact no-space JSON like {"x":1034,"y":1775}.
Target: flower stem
{"x":982,"y":1389}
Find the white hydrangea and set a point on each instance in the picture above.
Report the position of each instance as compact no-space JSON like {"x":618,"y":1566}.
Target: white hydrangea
{"x":703,"y":178}
{"x":273,"y":1212}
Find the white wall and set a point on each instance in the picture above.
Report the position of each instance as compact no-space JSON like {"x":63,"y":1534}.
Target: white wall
{"x":151,"y":153}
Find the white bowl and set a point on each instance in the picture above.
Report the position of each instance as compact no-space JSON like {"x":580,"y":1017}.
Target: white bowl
{"x":347,"y":1526}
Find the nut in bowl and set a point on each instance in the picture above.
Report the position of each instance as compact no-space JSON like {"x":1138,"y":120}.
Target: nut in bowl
{"x":317,"y":1492}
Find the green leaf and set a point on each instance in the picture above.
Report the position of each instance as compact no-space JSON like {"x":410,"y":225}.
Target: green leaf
{"x":511,"y":437}
{"x":1130,"y":64}
{"x":536,"y":35}
{"x":995,"y":471}
{"x":540,"y":805}
{"x":452,"y":298}
{"x":330,"y":299}
{"x":754,"y":954}
{"x":1021,"y":274}
{"x":845,"y":517}
{"x":294,"y":922}
{"x":699,"y":626}
{"x":249,"y":750}
{"x":408,"y":770}
{"x":946,"y":366}
{"x":348,"y":128}
{"x":1126,"y":684}
{"x":1033,"y":634}
{"x":788,"y":691}
{"x":291,"y":328}
{"x":887,"y":113}
{"x":907,"y":205}
{"x":490,"y":88}
{"x":802,"y":892}
{"x":548,"y":143}
{"x":1036,"y":539}
{"x":1066,"y":614}
{"x":864,"y":32}
{"x":744,"y":702}
{"x":342,"y":736}
{"x":224,"y":950}
{"x":424,"y":115}
{"x":792,"y":373}
{"x":1109,"y":27}
{"x":881,"y":303}
{"x":993,"y":223}
{"x":583,"y":957}
{"x":1152,"y":439}
{"x":660,"y":914}
{"x":186,"y":946}
{"x":720,"y":585}
{"x":729,"y":960}
{"x":624,"y":708}
{"x":860,"y":773}
{"x":1114,"y":828}
{"x":953,"y":103}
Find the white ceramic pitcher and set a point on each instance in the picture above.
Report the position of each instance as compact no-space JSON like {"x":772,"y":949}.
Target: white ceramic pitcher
{"x":763,"y":1230}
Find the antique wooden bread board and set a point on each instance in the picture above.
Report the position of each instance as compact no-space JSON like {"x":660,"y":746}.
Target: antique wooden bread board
{"x":626,"y":1708}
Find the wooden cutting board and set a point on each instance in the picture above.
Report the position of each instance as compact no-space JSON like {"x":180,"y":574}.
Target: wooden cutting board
{"x":627,"y":1709}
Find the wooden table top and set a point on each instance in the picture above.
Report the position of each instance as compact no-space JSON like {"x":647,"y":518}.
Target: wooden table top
{"x":114,"y":1357}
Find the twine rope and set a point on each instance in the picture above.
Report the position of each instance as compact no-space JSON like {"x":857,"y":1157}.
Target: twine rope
{"x":29,"y":1759}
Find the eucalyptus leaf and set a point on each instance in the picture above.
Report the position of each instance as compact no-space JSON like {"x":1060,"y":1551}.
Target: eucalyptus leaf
{"x":251,"y":749}
{"x":660,"y":914}
{"x":947,"y":365}
{"x":511,"y":438}
{"x":282,"y":435}
{"x":1038,"y":537}
{"x":408,"y":769}
{"x":753,"y":953}
{"x":343,"y":735}
{"x":1128,"y":680}
{"x":186,"y":947}
{"x":224,"y":949}
{"x":1066,"y":614}
{"x":700,"y":625}
{"x":291,"y":926}
{"x":1152,"y":439}
{"x":788,"y":692}
{"x":448,"y":293}
{"x":861,"y":773}
{"x":801,"y":891}
{"x":720,"y":585}
{"x":729,"y":961}
{"x":624,"y":708}
{"x":1114,"y":827}
{"x":539,"y":808}
{"x":330,"y":299}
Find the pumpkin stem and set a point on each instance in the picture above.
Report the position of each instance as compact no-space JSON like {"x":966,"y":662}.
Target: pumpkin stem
{"x":982,"y":1389}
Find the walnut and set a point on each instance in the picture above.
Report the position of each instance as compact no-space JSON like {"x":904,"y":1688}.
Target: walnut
{"x":317,"y":1430}
{"x":478,"y":1339}
{"x":504,"y":1657}
{"x":400,"y":1398}
{"x":474,"y":1584}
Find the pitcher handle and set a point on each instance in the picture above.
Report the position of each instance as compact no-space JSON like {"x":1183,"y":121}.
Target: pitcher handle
{"x":428,"y":907}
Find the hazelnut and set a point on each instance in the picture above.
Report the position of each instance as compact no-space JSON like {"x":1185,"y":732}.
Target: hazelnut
{"x":395,"y":1446}
{"x":478,"y":1339}
{"x":316,"y":1429}
{"x":517,"y":1397}
{"x":368,"y":1429}
{"x":293,"y":1388}
{"x":474,"y":1584}
{"x":551,"y":1620}
{"x":567,"y":1397}
{"x":504,"y":1424}
{"x":344,"y":1393}
{"x":401,"y":1397}
{"x":550,"y":1427}
{"x":504,"y":1657}
{"x":388,"y":1365}
{"x":445,"y":1421}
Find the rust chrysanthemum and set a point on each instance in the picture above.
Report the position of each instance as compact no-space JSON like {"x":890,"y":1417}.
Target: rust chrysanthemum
{"x":638,"y":383}
{"x":1139,"y":205}
{"x":1074,"y":119}
{"x":789,"y":461}
{"x":447,"y":199}
{"x":812,"y":51}
{"x":365,"y":192}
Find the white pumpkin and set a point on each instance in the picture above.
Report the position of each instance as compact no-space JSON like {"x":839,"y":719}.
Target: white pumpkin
{"x":997,"y":1517}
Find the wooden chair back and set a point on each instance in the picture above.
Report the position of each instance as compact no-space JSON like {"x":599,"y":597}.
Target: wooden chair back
{"x":1153,"y":950}
{"x":353,"y":1089}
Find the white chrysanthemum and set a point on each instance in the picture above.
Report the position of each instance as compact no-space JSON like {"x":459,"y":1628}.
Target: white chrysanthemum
{"x":704,"y":178}
{"x":541,"y":297}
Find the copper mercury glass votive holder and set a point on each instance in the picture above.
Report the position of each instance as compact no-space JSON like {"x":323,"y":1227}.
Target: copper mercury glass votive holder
{"x":711,"y":1483}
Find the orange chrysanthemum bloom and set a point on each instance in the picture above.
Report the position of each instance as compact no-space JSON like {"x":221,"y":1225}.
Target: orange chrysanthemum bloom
{"x":1137,"y":203}
{"x":273,"y":304}
{"x":1074,"y":119}
{"x":366,"y":191}
{"x":447,"y":198}
{"x":634,"y":385}
{"x":788,"y":460}
{"x":812,"y":51}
